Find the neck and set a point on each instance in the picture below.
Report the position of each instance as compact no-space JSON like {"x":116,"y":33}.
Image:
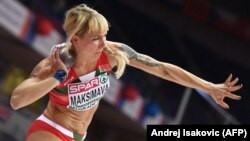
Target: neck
{"x":85,"y":65}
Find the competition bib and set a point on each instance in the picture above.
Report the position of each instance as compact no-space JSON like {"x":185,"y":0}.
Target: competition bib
{"x":85,"y":95}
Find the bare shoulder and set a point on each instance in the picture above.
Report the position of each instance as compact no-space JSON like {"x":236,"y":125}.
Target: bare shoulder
{"x":112,"y":47}
{"x":42,"y":69}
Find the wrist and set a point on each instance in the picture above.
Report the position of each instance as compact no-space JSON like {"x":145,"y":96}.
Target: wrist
{"x":60,"y":75}
{"x":208,"y":87}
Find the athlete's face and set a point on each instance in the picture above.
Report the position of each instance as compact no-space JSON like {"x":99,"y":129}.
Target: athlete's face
{"x":91,"y":44}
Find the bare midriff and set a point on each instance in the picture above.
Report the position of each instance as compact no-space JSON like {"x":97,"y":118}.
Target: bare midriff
{"x":75,"y":121}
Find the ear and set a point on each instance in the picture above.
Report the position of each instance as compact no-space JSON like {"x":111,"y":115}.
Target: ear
{"x":75,"y":40}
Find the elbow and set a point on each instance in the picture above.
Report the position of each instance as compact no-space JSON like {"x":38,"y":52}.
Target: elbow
{"x":14,"y":102}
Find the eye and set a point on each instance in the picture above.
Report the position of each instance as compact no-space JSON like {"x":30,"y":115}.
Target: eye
{"x":96,"y":38}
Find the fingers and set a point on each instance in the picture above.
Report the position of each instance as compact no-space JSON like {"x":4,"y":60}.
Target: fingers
{"x":57,"y":55}
{"x":231,"y":84}
{"x":62,"y":45}
{"x":235,"y":88}
{"x":54,"y":55}
{"x":234,"y":81}
{"x":223,"y":105}
{"x":225,"y":91}
{"x":230,"y":89}
{"x":56,"y":62}
{"x":228,"y":79}
{"x":233,"y":96}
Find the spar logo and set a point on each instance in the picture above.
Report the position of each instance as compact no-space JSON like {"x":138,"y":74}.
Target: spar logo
{"x":81,"y":87}
{"x":103,"y":79}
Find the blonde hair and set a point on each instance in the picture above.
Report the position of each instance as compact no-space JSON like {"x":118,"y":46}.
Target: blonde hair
{"x":82,"y":19}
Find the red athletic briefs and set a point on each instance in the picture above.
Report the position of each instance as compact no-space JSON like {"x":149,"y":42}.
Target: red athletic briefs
{"x":45,"y":124}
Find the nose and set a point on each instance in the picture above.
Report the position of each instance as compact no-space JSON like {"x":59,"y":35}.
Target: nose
{"x":103,"y":41}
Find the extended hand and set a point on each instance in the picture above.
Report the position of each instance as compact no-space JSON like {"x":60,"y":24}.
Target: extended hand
{"x":219,"y":91}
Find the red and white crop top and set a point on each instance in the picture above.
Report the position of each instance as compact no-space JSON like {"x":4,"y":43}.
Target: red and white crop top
{"x":80,"y":93}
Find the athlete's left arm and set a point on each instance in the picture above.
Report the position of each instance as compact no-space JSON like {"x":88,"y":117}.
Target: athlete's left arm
{"x":180,"y":76}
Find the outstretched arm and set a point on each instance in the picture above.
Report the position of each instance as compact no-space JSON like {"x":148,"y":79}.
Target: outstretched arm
{"x":180,"y":76}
